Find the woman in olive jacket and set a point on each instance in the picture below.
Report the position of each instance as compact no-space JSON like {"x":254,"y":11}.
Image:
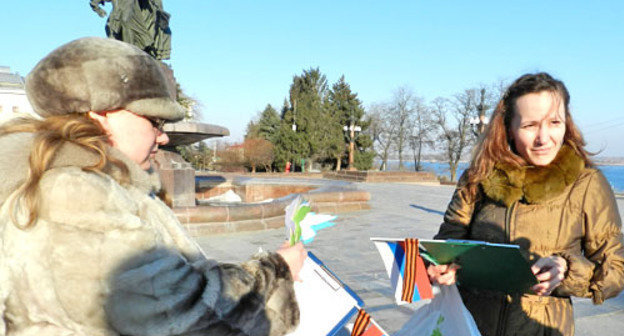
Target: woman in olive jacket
{"x":86,"y":247}
{"x":531,"y":183}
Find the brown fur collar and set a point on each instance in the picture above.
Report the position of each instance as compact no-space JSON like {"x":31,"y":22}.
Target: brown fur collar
{"x":533,"y":184}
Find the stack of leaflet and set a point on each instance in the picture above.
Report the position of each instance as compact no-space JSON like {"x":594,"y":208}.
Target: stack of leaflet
{"x":492,"y":266}
{"x":326,"y":304}
{"x":406,"y":269}
{"x":498,"y":267}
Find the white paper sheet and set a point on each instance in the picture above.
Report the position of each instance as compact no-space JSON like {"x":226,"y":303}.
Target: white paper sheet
{"x":324,"y":302}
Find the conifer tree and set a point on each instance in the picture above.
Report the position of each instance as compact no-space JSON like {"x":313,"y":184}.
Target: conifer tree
{"x":252,"y":130}
{"x":268,"y":124}
{"x":347,"y":110}
{"x":308,"y":112}
{"x":290,"y":146}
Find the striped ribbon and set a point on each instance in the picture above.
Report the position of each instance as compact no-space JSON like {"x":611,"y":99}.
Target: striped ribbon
{"x":409,"y":275}
{"x":361,"y":322}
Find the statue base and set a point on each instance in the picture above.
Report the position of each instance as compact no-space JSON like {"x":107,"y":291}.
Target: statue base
{"x":177,"y":177}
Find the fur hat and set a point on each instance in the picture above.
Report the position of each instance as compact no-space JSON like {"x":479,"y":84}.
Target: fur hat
{"x":101,"y":74}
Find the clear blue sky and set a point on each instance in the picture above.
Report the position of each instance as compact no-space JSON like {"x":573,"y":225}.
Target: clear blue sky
{"x":237,"y":56}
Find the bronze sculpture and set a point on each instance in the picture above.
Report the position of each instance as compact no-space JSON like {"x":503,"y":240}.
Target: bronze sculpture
{"x":142,"y":23}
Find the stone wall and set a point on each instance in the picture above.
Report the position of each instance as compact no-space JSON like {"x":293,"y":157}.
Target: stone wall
{"x":251,"y":192}
{"x":382,"y":177}
{"x":226,"y":218}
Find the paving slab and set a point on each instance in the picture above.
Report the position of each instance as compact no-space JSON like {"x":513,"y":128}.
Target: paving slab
{"x":397,"y":210}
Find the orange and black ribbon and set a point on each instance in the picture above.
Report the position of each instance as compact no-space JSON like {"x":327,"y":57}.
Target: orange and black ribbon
{"x":409,"y":275}
{"x":361,"y":322}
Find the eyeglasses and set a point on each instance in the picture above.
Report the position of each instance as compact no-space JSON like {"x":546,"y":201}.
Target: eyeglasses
{"x":157,"y":123}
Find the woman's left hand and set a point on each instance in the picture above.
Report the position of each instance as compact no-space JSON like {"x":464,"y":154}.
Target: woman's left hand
{"x":549,"y":271}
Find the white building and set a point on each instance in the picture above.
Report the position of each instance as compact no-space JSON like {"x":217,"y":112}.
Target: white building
{"x":13,"y":101}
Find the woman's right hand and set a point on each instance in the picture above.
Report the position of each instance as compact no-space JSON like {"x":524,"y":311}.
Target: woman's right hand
{"x":443,"y":274}
{"x":294,"y":257}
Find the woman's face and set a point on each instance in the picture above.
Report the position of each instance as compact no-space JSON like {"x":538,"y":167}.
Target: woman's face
{"x":538,"y":126}
{"x":132,"y":134}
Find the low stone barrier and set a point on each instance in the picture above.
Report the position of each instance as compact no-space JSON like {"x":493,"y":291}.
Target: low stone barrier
{"x":382,"y":176}
{"x":208,"y":219}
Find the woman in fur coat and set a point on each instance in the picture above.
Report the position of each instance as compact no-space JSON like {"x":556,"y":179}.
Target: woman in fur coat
{"x":86,"y":248}
{"x":531,"y":183}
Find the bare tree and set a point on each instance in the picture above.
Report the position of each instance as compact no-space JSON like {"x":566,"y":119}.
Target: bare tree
{"x":498,"y":89}
{"x":455,"y":136}
{"x":258,"y":152}
{"x":420,"y":130}
{"x":402,"y":108}
{"x":381,"y":130}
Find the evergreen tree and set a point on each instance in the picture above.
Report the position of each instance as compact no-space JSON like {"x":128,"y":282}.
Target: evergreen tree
{"x":347,"y":110}
{"x":285,"y":108}
{"x":331,"y":141}
{"x":252,"y":130}
{"x":290,"y":146}
{"x":269,"y":123}
{"x":308,"y":94}
{"x":365,"y":152}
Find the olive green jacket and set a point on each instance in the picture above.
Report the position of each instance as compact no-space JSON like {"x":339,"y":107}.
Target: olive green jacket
{"x":565,"y":209}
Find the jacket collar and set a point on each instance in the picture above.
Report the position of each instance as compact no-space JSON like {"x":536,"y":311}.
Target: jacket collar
{"x":15,"y":150}
{"x":533,"y":184}
{"x":74,"y":155}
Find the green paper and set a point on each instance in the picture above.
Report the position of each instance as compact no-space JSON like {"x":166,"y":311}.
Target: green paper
{"x":292,"y":239}
{"x":301,"y":213}
{"x":425,"y":255}
{"x":297,"y":232}
{"x":498,"y":267}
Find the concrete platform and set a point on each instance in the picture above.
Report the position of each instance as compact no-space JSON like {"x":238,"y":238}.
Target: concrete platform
{"x":397,"y":210}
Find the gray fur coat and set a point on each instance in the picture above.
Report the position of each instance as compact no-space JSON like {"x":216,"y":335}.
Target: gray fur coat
{"x":107,"y":259}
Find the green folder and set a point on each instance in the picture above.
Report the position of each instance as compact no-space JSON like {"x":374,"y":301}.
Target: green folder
{"x":498,"y":267}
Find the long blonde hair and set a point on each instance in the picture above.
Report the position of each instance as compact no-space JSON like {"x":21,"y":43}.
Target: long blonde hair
{"x":495,"y":145}
{"x":50,"y":134}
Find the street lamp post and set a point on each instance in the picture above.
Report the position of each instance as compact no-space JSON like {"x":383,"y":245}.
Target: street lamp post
{"x":294,"y":122}
{"x":352,"y":129}
{"x":478,"y":124}
{"x":480,"y":121}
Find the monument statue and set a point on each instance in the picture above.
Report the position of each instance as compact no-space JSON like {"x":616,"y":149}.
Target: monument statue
{"x":142,"y":23}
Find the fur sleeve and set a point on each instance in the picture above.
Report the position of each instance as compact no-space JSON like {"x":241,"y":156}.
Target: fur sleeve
{"x":4,"y":292}
{"x":159,"y":293}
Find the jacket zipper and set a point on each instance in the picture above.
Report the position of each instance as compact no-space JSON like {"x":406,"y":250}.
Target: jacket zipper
{"x":502,"y":321}
{"x":508,"y":217}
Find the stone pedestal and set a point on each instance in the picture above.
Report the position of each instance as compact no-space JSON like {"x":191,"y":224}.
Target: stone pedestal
{"x":178,"y":178}
{"x":177,"y":175}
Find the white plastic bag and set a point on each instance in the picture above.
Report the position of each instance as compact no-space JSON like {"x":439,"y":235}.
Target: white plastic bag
{"x":445,"y":315}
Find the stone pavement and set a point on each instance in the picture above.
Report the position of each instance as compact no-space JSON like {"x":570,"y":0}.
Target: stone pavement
{"x":398,"y":210}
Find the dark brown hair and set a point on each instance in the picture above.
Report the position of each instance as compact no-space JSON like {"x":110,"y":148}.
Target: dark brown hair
{"x":494,"y":145}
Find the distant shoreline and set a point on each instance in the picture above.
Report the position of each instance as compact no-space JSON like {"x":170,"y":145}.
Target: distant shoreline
{"x":608,"y":164}
{"x":597,"y":163}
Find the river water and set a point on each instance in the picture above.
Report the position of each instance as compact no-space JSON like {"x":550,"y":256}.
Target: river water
{"x":614,"y":174}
